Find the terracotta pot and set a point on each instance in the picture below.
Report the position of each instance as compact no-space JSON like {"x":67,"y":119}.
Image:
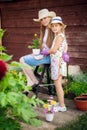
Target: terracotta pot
{"x":81,"y":103}
{"x":84,"y":95}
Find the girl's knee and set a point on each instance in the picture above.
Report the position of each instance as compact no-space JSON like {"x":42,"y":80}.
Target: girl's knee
{"x":21,"y":60}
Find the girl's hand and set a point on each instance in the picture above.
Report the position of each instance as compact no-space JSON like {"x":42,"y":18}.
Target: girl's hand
{"x":65,"y":57}
{"x":52,"y":51}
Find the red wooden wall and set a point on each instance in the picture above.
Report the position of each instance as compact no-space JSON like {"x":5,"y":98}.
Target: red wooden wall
{"x":17,"y":20}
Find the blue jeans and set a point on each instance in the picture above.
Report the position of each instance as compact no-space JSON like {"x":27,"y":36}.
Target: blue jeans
{"x":30,"y":60}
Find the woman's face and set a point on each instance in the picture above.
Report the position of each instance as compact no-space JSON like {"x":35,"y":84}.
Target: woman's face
{"x":45,"y":21}
{"x":56,"y":27}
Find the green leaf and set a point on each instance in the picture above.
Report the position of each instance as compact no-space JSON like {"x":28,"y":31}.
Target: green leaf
{"x":5,"y":57}
{"x":3,"y":99}
{"x":13,"y":98}
{"x":35,"y":122}
{"x":2,"y":48}
{"x":26,"y":112}
{"x":2,"y":31}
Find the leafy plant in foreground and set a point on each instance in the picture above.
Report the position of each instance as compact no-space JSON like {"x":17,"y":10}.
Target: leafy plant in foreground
{"x":15,"y":105}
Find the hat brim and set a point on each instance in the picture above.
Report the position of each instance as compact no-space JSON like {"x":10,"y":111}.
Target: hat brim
{"x":64,"y":26}
{"x":50,"y":14}
{"x":36,"y":20}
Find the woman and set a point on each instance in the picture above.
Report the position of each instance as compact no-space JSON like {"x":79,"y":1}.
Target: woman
{"x":44,"y":18}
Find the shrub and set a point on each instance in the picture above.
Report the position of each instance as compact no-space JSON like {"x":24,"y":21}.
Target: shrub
{"x":78,"y":88}
{"x":78,"y":85}
{"x":14,"y":105}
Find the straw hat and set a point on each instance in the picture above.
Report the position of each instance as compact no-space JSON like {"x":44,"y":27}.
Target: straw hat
{"x":44,"y":13}
{"x":58,"y":19}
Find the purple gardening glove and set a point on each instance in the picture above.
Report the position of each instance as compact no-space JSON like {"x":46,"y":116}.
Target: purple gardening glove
{"x":44,"y":52}
{"x":65,"y":57}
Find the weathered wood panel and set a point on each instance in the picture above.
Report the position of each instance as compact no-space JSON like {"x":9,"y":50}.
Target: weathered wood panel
{"x":42,"y":3}
{"x":17,"y":19}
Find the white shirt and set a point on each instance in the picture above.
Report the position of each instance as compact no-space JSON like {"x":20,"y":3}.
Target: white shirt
{"x":45,"y":39}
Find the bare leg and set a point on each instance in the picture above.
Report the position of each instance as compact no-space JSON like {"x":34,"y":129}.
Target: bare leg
{"x":59,"y":90}
{"x":31,"y":79}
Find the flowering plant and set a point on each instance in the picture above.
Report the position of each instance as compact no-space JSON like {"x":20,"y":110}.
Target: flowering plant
{"x":3,"y":69}
{"x":13,"y":103}
{"x":49,"y":106}
{"x":36,"y":42}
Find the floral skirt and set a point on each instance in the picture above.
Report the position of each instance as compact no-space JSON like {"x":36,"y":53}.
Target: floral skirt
{"x":58,"y":66}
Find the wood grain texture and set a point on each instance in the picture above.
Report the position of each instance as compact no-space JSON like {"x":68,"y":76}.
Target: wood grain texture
{"x":17,"y":19}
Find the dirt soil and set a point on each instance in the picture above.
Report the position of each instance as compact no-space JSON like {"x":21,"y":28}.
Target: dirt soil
{"x":60,"y":118}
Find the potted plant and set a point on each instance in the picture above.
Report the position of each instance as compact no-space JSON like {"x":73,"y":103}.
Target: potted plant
{"x":36,"y":45}
{"x":49,"y":109}
{"x":84,"y":95}
{"x":81,"y":103}
{"x":78,"y":86}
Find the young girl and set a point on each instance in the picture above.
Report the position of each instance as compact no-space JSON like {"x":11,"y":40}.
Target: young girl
{"x":44,"y":18}
{"x":58,"y":65}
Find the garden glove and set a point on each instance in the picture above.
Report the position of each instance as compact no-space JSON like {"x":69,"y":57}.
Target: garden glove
{"x":45,"y":52}
{"x":65,"y":57}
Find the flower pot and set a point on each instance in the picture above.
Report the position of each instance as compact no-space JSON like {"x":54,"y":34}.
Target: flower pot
{"x":36,"y":51}
{"x":49,"y":116}
{"x":81,"y":103}
{"x":84,"y":95}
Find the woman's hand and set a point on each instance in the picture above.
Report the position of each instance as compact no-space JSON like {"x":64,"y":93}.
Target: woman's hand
{"x":45,"y":52}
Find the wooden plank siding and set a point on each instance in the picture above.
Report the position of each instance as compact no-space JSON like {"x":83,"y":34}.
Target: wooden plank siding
{"x":20,"y":28}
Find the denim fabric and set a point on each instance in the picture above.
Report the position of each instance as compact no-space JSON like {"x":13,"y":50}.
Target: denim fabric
{"x":30,"y":60}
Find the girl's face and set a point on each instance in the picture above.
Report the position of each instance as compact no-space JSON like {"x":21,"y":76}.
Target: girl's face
{"x":56,"y":27}
{"x":45,"y":21}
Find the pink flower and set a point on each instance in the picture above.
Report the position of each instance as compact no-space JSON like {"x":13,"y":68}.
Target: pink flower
{"x":3,"y":69}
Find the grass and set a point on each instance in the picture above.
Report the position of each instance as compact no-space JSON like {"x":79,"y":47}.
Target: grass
{"x":79,"y":124}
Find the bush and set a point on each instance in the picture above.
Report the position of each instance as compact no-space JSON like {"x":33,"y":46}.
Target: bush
{"x":78,"y":84}
{"x":78,"y":88}
{"x":14,"y":105}
{"x":7,"y":123}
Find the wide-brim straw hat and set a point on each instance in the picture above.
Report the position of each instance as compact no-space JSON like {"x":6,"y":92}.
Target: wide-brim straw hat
{"x":45,"y":13}
{"x":58,"y":19}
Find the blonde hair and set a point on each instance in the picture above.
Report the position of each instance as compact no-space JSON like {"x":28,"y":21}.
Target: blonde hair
{"x":50,"y":36}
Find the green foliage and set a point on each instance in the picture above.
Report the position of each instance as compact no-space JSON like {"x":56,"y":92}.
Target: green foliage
{"x":7,"y":123}
{"x":3,"y":55}
{"x":81,"y":77}
{"x":78,"y":124}
{"x":15,"y":104}
{"x":36,"y":43}
{"x":78,"y":84}
{"x":78,"y":88}
{"x":2,"y":31}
